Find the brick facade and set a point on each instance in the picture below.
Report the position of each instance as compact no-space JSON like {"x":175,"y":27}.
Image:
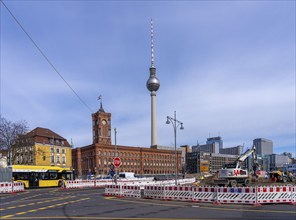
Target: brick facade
{"x":97,"y":158}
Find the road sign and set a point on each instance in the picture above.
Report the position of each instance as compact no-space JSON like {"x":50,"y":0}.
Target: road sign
{"x":112,"y":173}
{"x":116,"y":161}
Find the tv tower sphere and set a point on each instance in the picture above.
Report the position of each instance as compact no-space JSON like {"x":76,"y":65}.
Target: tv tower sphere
{"x":152,"y":83}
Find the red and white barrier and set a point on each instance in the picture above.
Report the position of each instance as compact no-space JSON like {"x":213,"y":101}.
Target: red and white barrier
{"x":113,"y":190}
{"x":11,"y":187}
{"x":79,"y":183}
{"x":6,"y":187}
{"x":154,"y":192}
{"x":204,"y":194}
{"x":136,"y":182}
{"x":183,"y":193}
{"x":275,"y":194}
{"x":18,"y":187}
{"x":131,"y":191}
{"x":293,"y":196}
{"x":243,"y":195}
{"x":217,"y":195}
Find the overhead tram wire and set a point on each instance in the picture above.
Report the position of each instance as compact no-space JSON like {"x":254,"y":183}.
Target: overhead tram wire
{"x":46,"y":58}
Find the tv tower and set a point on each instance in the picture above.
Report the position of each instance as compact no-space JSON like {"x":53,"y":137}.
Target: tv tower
{"x":153,"y":85}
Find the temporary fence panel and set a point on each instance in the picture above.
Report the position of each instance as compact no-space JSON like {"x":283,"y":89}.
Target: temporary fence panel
{"x":5,"y":187}
{"x":113,"y":190}
{"x":246,"y":195}
{"x":9,"y":187}
{"x":18,"y":187}
{"x":183,"y":193}
{"x":274,"y":194}
{"x":239,"y":195}
{"x":204,"y":194}
{"x":293,"y":194}
{"x":154,"y":192}
{"x":131,"y":191}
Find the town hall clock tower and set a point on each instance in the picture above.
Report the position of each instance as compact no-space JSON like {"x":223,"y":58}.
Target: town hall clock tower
{"x":101,"y":126}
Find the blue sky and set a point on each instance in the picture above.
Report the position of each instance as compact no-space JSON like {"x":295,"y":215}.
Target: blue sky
{"x":226,"y":67}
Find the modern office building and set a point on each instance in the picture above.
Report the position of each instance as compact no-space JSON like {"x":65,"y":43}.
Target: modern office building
{"x":210,"y":148}
{"x":263,"y":146}
{"x":238,"y":150}
{"x":199,"y":161}
{"x":215,"y":140}
{"x":278,"y":161}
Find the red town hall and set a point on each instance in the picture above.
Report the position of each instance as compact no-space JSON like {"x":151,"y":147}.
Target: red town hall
{"x":97,"y":158}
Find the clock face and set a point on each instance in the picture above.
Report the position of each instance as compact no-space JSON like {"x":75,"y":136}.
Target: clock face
{"x":104,"y":122}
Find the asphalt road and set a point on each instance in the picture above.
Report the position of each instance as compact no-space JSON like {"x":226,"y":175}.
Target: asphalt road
{"x":90,"y":203}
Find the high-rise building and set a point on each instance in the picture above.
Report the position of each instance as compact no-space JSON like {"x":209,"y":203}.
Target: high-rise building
{"x":215,"y":140}
{"x":211,"y":148}
{"x":238,"y":150}
{"x":263,"y":146}
{"x":278,"y":161}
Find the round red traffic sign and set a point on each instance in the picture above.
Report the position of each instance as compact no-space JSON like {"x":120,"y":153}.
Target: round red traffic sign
{"x":116,"y":161}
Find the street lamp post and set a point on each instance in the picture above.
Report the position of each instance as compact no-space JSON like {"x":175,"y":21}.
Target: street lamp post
{"x":115,"y":132}
{"x":175,"y":124}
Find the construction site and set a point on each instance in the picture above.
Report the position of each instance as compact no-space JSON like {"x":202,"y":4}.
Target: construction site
{"x":235,"y":174}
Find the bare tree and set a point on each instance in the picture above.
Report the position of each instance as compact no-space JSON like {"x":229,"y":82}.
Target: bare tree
{"x":9,"y":132}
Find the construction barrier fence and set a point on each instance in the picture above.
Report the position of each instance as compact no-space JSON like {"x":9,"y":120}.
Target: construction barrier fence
{"x":216,"y":195}
{"x":11,"y":187}
{"x":133,"y":182}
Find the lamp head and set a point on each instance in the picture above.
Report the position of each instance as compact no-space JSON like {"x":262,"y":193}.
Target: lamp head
{"x":181,"y":128}
{"x":168,"y":121}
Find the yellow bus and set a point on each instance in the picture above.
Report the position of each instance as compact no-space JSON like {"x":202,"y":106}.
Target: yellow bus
{"x":41,"y":176}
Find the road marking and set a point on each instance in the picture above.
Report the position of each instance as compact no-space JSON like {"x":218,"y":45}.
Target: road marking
{"x":206,"y":207}
{"x":7,"y":216}
{"x":43,"y":208}
{"x":110,"y":197}
{"x":11,"y":207}
{"x":20,"y":213}
{"x":34,"y":203}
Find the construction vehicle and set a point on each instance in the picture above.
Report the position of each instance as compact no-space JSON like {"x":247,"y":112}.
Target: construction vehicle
{"x":282,"y":176}
{"x":233,"y":174}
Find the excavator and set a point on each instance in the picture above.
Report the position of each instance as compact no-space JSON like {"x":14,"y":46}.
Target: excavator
{"x":233,"y":174}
